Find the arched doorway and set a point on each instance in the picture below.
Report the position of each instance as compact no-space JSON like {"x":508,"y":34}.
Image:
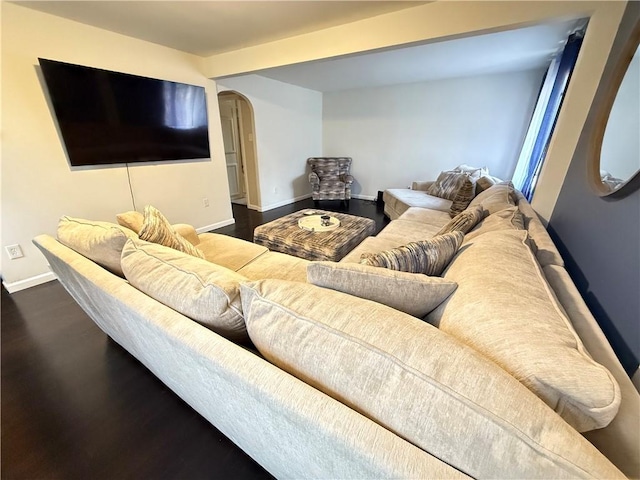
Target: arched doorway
{"x":238,"y":133}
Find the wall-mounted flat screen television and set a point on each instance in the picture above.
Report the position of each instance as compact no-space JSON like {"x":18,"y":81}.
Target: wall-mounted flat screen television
{"x":108,"y":117}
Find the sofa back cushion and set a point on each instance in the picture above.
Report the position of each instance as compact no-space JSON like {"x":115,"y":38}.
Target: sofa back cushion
{"x":412,"y":293}
{"x":508,"y":219}
{"x":101,"y":242}
{"x":416,"y":381}
{"x":200,"y":290}
{"x":505,"y":309}
{"x":495,"y":198}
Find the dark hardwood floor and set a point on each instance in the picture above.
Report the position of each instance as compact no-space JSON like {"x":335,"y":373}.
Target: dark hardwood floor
{"x":75,"y":405}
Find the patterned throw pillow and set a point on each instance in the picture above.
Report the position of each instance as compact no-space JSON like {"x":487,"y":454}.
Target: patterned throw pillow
{"x":425,"y":256}
{"x":447,"y":185}
{"x":157,"y":229}
{"x":463,"y":197}
{"x":464,"y":221}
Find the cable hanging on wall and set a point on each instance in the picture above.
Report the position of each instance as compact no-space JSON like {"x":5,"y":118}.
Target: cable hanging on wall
{"x":133,"y":198}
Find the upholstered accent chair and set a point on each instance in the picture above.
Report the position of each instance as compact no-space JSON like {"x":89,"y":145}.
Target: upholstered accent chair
{"x":330,"y":178}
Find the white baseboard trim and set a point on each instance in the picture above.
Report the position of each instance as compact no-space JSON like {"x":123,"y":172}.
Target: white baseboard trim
{"x":13,"y":287}
{"x":283,"y":203}
{"x":364,"y":197}
{"x":213,"y":226}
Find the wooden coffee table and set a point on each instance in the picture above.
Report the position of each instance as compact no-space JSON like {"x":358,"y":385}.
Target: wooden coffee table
{"x":286,"y":236}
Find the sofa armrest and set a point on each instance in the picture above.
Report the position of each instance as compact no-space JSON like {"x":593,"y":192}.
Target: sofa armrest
{"x":423,"y":186}
{"x":188,"y":232}
{"x":314,"y":179}
{"x":346,"y":178}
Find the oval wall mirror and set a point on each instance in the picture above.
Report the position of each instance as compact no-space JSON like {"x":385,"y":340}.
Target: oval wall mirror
{"x":615,"y":166}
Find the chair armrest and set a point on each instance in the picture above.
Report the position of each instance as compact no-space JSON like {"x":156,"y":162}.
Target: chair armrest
{"x":188,"y":232}
{"x":314,"y":179}
{"x":346,"y":178}
{"x":423,"y":186}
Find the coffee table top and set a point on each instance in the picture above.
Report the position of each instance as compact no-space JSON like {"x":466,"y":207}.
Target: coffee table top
{"x":313,"y":222}
{"x":285,"y":235}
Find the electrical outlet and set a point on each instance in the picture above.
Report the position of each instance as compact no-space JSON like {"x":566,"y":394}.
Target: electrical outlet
{"x":14,"y":251}
{"x":205,"y":202}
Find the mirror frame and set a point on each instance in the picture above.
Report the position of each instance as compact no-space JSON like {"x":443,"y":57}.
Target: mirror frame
{"x":602,"y":117}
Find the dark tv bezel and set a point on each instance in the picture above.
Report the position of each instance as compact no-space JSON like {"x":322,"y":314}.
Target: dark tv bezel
{"x":109,"y":157}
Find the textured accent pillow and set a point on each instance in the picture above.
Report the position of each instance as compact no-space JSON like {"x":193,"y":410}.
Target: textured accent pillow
{"x":411,"y":293}
{"x":505,"y":309}
{"x":464,"y":221}
{"x":425,"y":256}
{"x":447,"y":184}
{"x":417,"y":382}
{"x":510,"y":218}
{"x":157,"y":229}
{"x":463,"y":197}
{"x":203,"y":291}
{"x":132,"y":220}
{"x":100,"y":242}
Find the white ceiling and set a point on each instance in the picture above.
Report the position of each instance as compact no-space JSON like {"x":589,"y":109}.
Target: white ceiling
{"x":208,"y":27}
{"x":515,"y":50}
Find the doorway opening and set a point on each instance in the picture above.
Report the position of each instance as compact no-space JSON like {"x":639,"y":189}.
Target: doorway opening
{"x":238,"y":134}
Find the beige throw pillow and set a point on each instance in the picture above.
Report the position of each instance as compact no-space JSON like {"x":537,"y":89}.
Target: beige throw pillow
{"x":505,"y":309}
{"x":203,"y":291}
{"x":412,"y":293}
{"x":464,"y":221}
{"x":132,"y":220}
{"x":157,"y":229}
{"x":417,"y":382}
{"x":100,"y":242}
{"x":425,"y":256}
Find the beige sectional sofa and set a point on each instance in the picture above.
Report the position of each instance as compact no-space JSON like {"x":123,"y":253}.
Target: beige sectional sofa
{"x":493,"y":369}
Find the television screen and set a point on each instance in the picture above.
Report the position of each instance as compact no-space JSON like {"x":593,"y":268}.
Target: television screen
{"x":108,"y":117}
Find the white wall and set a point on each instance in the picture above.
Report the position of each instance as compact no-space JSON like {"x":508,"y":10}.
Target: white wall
{"x":288,"y":130}
{"x":38,"y":184}
{"x":441,"y":20}
{"x":409,"y":132}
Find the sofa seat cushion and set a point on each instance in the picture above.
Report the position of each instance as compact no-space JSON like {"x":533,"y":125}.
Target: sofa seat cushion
{"x":370,"y":245}
{"x":412,"y":293}
{"x":200,"y":290}
{"x":101,"y":242}
{"x":276,"y":265}
{"x":403,"y":231}
{"x":233,"y":253}
{"x":400,"y":199}
{"x":416,"y":381}
{"x":505,"y":309}
{"x":425,"y":256}
{"x":426,"y":216}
